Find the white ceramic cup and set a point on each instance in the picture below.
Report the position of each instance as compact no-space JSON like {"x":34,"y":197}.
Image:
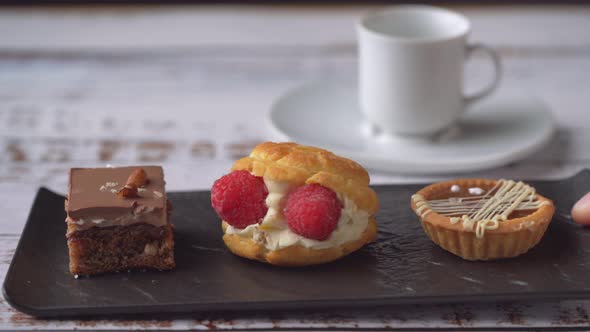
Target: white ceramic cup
{"x":411,"y":60}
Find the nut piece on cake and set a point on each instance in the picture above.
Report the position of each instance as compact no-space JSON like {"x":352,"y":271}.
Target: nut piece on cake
{"x":118,"y":219}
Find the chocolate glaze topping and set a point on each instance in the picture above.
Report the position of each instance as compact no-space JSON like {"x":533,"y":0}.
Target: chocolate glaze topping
{"x":92,"y":193}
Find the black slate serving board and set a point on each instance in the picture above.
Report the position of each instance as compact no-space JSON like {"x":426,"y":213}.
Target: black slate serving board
{"x":403,"y":266}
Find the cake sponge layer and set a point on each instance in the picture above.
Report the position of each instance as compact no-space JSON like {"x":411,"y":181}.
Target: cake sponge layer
{"x":117,"y":248}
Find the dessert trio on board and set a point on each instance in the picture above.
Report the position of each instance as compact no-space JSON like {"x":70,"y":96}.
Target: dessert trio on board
{"x":290,"y":205}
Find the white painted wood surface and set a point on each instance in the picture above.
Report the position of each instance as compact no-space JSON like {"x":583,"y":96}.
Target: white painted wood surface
{"x":190,"y":87}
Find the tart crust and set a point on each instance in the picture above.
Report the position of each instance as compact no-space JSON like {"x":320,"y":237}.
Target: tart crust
{"x":513,"y":237}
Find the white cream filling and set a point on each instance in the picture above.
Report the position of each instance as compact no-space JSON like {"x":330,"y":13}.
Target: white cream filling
{"x":274,"y":233}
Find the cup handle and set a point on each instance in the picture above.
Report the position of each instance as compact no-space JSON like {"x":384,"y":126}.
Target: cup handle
{"x":497,"y":72}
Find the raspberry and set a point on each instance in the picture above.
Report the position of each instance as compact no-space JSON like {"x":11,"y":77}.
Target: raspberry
{"x":239,"y":198}
{"x":313,"y":211}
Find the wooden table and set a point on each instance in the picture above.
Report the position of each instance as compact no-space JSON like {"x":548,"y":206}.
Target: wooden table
{"x":190,"y":87}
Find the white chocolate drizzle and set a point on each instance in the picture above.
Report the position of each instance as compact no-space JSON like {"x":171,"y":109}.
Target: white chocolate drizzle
{"x":484,"y":211}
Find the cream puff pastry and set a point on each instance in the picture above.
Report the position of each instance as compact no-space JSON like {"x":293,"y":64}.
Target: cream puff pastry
{"x":293,"y":205}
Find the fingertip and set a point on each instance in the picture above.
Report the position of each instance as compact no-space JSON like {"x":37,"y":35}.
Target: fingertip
{"x":581,"y":211}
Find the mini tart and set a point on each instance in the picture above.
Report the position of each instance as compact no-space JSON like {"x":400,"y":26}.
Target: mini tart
{"x":522,"y":230}
{"x":298,"y":165}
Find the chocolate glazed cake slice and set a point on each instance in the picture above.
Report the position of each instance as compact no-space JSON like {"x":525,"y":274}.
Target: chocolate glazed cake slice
{"x":118,"y":219}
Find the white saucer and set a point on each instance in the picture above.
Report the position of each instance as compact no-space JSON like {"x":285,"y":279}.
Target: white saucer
{"x":495,"y":132}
